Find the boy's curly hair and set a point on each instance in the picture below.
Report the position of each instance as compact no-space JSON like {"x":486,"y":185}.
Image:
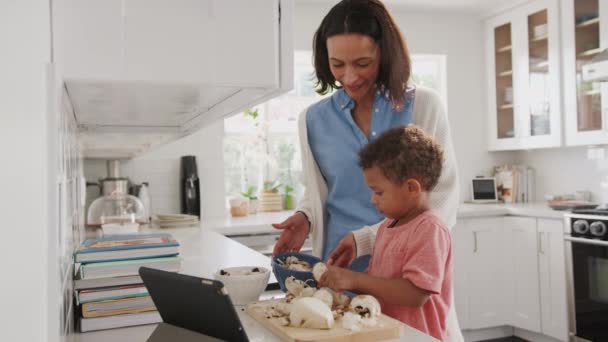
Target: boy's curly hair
{"x":405,"y":152}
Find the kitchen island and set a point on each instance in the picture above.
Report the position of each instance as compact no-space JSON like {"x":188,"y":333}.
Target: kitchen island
{"x":203,"y":252}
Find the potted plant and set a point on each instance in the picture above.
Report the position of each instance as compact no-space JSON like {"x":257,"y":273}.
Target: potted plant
{"x":253,"y":199}
{"x":289,"y":198}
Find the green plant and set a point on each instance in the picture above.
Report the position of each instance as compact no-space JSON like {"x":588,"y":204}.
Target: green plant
{"x":250,"y":193}
{"x":272,"y":186}
{"x":253,"y":113}
{"x":289,"y":197}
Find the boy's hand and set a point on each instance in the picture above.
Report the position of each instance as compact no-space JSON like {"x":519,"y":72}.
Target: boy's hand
{"x":338,"y":279}
{"x":345,"y":253}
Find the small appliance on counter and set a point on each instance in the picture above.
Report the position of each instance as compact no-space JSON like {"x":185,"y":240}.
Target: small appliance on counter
{"x":115,"y":211}
{"x":190,"y":194}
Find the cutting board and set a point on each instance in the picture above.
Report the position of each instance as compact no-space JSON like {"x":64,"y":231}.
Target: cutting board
{"x":387,"y":328}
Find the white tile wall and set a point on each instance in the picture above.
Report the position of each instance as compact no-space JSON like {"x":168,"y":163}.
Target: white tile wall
{"x":161,"y":168}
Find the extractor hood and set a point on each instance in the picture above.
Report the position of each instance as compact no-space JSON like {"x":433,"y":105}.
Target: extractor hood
{"x":597,"y":69}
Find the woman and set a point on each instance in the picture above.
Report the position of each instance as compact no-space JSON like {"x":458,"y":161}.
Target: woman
{"x":360,"y":52}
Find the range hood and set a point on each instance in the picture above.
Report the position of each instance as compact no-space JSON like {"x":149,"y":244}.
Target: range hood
{"x":597,"y":69}
{"x":140,"y":73}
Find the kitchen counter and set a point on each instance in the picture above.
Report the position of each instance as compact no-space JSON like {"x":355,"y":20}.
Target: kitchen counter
{"x":203,"y":252}
{"x":260,"y":223}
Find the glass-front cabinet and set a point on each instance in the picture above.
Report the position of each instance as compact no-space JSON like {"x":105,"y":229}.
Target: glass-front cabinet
{"x":585,"y":34}
{"x":523,"y":54}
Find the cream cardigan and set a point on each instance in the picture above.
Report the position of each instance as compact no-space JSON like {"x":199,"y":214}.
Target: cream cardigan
{"x":428,"y":114}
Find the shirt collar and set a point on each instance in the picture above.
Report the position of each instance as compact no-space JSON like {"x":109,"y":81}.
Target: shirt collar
{"x":346,"y":102}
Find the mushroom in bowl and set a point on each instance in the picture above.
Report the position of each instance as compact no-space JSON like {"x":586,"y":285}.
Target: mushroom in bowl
{"x":297,"y":265}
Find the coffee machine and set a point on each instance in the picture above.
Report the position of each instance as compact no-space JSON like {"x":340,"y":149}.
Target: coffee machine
{"x":189,"y":187}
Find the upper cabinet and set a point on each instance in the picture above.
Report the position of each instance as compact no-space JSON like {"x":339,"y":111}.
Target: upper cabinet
{"x":523,"y":69}
{"x":585,"y":33}
{"x":141,"y":72}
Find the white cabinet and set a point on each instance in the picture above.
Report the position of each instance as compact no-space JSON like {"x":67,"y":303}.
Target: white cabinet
{"x":552,"y":279}
{"x":585,"y":33}
{"x":510,"y":271}
{"x":523,"y":297}
{"x":142,"y":72}
{"x":481,"y":264}
{"x":523,"y":70}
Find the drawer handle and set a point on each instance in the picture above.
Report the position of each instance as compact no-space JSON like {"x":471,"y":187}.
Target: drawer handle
{"x":474,"y":242}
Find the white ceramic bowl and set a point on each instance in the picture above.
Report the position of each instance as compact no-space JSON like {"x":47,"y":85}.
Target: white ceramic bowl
{"x":243,"y":288}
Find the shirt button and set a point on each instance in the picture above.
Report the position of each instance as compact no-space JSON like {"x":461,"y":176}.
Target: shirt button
{"x":377,"y":110}
{"x":374,"y":134}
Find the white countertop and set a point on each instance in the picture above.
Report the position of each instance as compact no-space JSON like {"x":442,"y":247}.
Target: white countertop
{"x":260,"y":223}
{"x":203,"y":252}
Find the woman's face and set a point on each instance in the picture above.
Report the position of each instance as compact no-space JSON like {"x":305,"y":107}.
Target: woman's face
{"x":354,"y":60}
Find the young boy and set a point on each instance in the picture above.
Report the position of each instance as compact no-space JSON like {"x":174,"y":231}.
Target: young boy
{"x":410,"y":271}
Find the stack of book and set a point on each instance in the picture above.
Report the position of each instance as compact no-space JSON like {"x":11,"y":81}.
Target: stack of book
{"x":515,"y":183}
{"x":109,"y":292}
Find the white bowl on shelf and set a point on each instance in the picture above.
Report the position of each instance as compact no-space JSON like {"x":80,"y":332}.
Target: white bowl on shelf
{"x":243,"y":285}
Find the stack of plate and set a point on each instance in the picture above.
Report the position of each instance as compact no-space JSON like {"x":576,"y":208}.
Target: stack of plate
{"x":176,"y":220}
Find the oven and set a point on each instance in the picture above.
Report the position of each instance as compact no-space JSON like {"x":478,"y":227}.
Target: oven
{"x":586,"y":243}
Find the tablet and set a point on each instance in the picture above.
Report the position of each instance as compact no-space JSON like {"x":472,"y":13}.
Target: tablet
{"x":193,"y":303}
{"x":484,"y":190}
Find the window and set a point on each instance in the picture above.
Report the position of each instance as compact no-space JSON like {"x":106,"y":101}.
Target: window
{"x":262,"y":145}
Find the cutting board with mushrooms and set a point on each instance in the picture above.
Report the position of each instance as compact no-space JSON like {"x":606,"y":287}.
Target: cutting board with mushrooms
{"x":383,"y":327}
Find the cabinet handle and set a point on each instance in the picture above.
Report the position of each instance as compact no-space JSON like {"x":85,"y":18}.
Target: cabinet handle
{"x":540,"y":242}
{"x":474,"y":242}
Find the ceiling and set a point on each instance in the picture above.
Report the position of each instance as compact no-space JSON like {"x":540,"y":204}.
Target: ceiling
{"x":481,"y":7}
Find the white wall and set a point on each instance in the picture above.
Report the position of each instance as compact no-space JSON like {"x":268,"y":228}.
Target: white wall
{"x":460,"y":38}
{"x":29,"y":269}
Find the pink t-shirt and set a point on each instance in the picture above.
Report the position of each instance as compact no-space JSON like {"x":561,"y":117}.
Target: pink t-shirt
{"x":420,"y":251}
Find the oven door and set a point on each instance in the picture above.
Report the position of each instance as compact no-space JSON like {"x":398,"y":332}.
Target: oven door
{"x":587,"y":273}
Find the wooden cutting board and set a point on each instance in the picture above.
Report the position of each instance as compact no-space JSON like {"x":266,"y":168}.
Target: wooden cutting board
{"x":387,"y":328}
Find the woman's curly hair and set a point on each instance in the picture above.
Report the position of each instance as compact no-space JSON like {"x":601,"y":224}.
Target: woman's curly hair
{"x":405,"y":152}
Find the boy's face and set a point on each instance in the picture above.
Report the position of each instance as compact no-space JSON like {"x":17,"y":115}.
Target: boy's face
{"x":392,"y":200}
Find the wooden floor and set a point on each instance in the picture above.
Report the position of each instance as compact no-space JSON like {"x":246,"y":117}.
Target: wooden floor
{"x":507,"y":339}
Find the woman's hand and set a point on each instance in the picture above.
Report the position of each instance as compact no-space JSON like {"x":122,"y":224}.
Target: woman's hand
{"x":345,"y":253}
{"x":295,"y":229}
{"x":338,"y":279}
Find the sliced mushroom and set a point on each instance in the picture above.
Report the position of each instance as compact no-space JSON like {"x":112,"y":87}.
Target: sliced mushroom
{"x":311,"y":312}
{"x":366,"y":306}
{"x":318,"y":270}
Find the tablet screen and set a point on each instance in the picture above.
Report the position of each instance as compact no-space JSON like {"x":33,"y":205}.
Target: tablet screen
{"x":484,"y":189}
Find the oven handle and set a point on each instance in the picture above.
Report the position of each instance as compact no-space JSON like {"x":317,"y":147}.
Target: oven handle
{"x":586,"y":241}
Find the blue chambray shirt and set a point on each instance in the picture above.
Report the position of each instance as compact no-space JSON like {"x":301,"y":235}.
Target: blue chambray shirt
{"x":335,"y":140}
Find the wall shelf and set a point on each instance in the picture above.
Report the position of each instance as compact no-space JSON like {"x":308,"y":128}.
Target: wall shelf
{"x":588,"y":23}
{"x":504,"y":49}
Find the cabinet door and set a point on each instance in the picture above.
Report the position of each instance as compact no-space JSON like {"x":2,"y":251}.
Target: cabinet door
{"x":523,"y":304}
{"x":552,"y":279}
{"x":486,"y":273}
{"x":585,"y":33}
{"x":524,"y":77}
{"x":462,"y":248}
{"x":503,"y":127}
{"x":88,"y":39}
{"x":540,"y":67}
{"x":192,"y":42}
{"x":203,"y":41}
